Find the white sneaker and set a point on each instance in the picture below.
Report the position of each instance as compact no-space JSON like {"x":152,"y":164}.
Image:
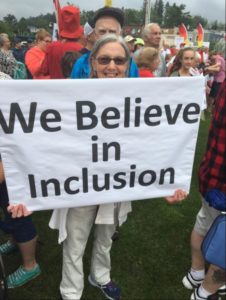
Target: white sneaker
{"x":222,"y":290}
{"x":196,"y":296}
{"x":190,"y":282}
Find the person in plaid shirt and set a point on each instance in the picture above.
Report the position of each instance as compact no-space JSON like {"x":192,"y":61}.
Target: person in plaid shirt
{"x":212,"y":173}
{"x":212,"y":179}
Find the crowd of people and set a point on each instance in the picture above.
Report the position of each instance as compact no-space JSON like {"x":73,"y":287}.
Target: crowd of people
{"x":98,"y":50}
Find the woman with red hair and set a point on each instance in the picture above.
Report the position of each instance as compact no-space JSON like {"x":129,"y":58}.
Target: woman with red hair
{"x":36,"y":55}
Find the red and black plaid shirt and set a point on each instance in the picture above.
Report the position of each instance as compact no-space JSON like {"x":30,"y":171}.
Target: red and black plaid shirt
{"x":212,"y":172}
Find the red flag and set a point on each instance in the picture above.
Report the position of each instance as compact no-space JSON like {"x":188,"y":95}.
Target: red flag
{"x":200,"y":35}
{"x":183,"y":33}
{"x":58,"y":14}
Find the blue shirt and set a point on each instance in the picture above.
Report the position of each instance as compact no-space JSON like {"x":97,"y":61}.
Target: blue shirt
{"x":81,"y":68}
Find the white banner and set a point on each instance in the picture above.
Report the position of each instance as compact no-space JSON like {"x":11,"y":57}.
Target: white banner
{"x":67,"y":143}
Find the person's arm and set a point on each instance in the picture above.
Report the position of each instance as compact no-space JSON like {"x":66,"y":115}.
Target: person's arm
{"x":213,"y":68}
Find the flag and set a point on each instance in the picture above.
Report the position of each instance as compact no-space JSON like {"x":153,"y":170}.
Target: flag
{"x":58,"y":14}
{"x":200,"y":35}
{"x":183,"y":33}
{"x":108,"y":3}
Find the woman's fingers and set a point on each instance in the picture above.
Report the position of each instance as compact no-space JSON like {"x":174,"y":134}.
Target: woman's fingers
{"x":18,"y":211}
{"x":178,"y":196}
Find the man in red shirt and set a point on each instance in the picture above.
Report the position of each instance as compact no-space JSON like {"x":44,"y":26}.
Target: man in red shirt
{"x":70,"y":34}
{"x":212,"y":177}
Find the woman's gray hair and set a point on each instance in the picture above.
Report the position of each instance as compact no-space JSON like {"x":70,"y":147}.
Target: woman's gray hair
{"x":108,"y":38}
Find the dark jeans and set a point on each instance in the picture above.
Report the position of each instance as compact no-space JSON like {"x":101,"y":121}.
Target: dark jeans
{"x":22,"y":229}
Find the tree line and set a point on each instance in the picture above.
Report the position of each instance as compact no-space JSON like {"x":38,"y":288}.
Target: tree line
{"x":168,"y":16}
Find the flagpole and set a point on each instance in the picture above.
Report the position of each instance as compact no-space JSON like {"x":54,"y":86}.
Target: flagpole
{"x":147,"y":7}
{"x":57,"y":27}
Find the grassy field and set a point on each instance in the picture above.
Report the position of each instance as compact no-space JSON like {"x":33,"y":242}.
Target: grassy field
{"x":148,"y":261}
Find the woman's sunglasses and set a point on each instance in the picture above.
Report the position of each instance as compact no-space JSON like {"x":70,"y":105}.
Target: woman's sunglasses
{"x":105,"y":60}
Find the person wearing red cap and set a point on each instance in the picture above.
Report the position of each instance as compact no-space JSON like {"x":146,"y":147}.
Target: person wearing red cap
{"x":70,"y":33}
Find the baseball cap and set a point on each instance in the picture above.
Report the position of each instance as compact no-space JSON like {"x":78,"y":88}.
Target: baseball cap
{"x":139,"y":41}
{"x":113,"y":12}
{"x":129,"y":38}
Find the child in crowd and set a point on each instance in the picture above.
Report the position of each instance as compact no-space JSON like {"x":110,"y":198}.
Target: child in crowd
{"x":148,"y":61}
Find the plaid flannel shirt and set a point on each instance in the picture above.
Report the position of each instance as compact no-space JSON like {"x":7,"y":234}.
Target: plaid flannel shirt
{"x":212,"y":171}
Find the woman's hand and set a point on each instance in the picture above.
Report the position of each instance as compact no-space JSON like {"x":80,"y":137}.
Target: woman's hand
{"x":18,"y":210}
{"x":178,"y":196}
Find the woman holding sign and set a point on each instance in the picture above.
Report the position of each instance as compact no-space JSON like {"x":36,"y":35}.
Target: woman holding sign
{"x":109,"y":59}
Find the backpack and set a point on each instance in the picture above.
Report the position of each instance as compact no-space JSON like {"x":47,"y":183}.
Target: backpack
{"x":214,"y":244}
{"x":20,"y":72}
{"x":3,"y":285}
{"x":216,"y":199}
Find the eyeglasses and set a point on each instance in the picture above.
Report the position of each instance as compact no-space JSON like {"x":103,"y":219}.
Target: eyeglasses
{"x":105,"y":60}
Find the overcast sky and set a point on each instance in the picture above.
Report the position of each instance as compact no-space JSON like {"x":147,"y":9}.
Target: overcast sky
{"x":210,"y":9}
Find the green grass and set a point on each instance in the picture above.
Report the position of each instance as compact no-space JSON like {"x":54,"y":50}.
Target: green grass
{"x":148,"y":261}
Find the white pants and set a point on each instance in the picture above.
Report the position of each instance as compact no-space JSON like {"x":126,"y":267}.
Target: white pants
{"x":79,"y":223}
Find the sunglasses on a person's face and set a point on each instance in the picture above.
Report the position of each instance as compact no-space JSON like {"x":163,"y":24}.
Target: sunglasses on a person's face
{"x":105,"y":60}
